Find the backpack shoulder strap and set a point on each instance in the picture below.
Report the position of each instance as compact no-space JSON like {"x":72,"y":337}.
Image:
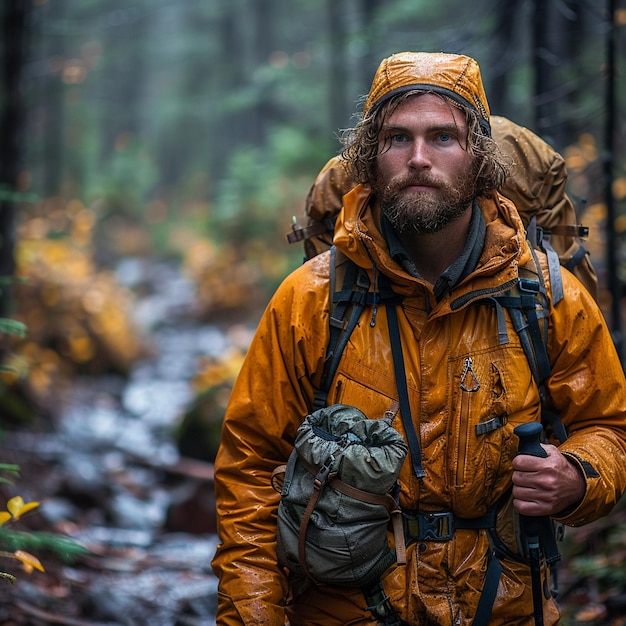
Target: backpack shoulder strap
{"x":529,"y":308}
{"x":541,"y":239}
{"x":346,"y":305}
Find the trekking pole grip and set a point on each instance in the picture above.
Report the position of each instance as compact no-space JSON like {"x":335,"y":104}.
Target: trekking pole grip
{"x":530,"y":443}
{"x":530,"y":439}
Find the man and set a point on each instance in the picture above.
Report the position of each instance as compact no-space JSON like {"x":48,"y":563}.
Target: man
{"x":426,"y":217}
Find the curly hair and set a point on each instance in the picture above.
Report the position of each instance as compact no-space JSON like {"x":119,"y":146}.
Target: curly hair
{"x":361,"y":145}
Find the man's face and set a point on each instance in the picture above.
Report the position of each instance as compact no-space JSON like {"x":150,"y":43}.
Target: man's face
{"x":425,"y":175}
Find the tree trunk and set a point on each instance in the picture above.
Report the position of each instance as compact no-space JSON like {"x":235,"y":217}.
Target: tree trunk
{"x":371,"y":60}
{"x":504,"y":54}
{"x":264,"y":40}
{"x":14,"y":19}
{"x":543,"y":64}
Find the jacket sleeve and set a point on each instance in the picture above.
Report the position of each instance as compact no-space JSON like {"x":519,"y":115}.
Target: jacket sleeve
{"x":270,"y":398}
{"x":588,"y":389}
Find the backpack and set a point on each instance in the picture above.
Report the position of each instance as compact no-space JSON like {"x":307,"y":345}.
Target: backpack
{"x":336,"y":498}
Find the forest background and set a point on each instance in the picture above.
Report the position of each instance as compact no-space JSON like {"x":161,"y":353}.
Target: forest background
{"x":192,"y":130}
{"x":188,"y":132}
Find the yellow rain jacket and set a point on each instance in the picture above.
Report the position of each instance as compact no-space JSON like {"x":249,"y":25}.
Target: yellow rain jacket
{"x":466,"y":473}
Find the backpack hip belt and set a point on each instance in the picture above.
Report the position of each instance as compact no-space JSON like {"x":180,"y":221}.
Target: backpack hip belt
{"x":440,"y":526}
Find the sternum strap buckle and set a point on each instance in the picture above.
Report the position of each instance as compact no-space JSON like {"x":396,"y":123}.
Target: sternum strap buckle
{"x":429,"y":526}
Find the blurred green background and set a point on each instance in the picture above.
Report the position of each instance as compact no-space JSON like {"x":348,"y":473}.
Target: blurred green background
{"x":195,"y":127}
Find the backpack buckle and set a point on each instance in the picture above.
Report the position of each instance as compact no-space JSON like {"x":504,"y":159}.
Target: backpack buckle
{"x":528,"y":285}
{"x":429,"y":526}
{"x":328,"y":469}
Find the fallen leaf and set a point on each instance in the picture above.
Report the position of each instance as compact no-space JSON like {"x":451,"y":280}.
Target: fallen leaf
{"x":29,"y":562}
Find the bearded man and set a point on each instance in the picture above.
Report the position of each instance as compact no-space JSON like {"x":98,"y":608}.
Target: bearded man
{"x":426,"y":220}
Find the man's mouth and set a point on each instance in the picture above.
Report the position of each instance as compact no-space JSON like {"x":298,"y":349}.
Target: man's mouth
{"x":419,"y":186}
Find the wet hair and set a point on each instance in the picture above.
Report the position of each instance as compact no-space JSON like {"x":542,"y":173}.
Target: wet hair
{"x":361,"y":145}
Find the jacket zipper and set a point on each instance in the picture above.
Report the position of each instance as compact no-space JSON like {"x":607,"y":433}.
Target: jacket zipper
{"x":469,"y":384}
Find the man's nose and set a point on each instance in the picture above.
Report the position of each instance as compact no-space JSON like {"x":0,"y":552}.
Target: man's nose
{"x":420,"y":155}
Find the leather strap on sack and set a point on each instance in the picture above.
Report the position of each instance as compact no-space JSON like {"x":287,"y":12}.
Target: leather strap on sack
{"x":277,"y":479}
{"x":299,"y":233}
{"x":388,"y":502}
{"x":304,"y":524}
{"x":323,"y":475}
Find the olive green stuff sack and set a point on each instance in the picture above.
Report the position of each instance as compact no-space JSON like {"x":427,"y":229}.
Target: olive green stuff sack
{"x":336,"y":500}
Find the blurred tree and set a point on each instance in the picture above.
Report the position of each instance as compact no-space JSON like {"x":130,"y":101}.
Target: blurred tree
{"x":543,"y":64}
{"x":12,"y":109}
{"x":47,"y":143}
{"x":337,"y":79}
{"x":505,"y":56}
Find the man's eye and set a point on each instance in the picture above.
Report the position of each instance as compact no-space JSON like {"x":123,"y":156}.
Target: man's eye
{"x":445,"y":137}
{"x":398,"y":138}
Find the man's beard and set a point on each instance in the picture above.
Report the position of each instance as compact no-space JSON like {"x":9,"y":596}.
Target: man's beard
{"x":429,"y":211}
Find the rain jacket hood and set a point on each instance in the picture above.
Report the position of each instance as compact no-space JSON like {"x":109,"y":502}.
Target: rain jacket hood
{"x":453,"y":75}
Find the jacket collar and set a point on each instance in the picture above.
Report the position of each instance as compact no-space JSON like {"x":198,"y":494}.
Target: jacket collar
{"x":359,"y":235}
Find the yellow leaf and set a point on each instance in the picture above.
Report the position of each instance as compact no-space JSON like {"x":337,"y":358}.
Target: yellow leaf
{"x":17,"y":507}
{"x":29,"y":562}
{"x":4,"y":516}
{"x":14,"y":505}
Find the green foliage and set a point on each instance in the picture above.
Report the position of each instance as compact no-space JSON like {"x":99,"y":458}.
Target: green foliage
{"x":12,"y":327}
{"x":8,"y":193}
{"x":264,"y":185}
{"x":126,"y":180}
{"x":11,"y":469}
{"x":63,"y":548}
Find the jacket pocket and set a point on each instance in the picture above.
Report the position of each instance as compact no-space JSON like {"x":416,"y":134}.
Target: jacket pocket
{"x":488,"y":389}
